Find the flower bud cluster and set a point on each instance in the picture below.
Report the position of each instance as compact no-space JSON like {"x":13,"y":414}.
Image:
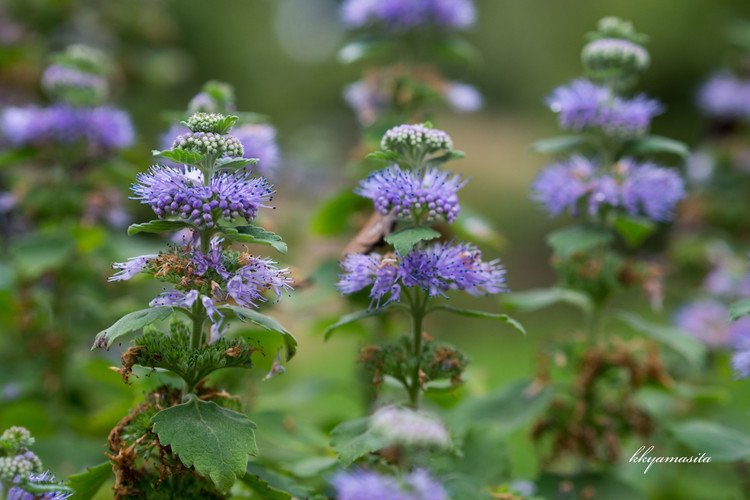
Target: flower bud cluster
{"x":416,"y":138}
{"x":210,"y":143}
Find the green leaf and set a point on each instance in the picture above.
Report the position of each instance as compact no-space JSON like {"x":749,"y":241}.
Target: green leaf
{"x":42,"y":488}
{"x":511,"y":407}
{"x":35,"y":254}
{"x":264,"y":490}
{"x":255,"y":235}
{"x":130,"y":323}
{"x":354,"y":439}
{"x":476,"y":227}
{"x":181,"y":156}
{"x":223,"y":126}
{"x":687,"y":346}
{"x":351,"y":318}
{"x":480,"y":314}
{"x":234,"y":162}
{"x":404,"y":240}
{"x":571,"y":240}
{"x":267,"y":322}
{"x":634,"y":229}
{"x":86,"y":484}
{"x":384,"y":156}
{"x":449,"y":156}
{"x":655,"y":144}
{"x":739,"y":309}
{"x":333,"y":216}
{"x":561,"y":144}
{"x":214,"y":440}
{"x":533,"y":300}
{"x":158,"y":226}
{"x":456,"y":49}
{"x":722,"y":444}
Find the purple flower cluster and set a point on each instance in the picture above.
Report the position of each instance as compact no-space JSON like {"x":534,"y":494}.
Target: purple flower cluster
{"x":429,"y":194}
{"x":708,"y":321}
{"x":257,"y":141}
{"x":58,"y":77}
{"x":644,"y":188}
{"x":741,"y":358}
{"x":436,"y":269}
{"x":725,"y":96}
{"x":369,"y":485}
{"x":181,"y":192}
{"x":17,"y":493}
{"x":406,"y":15}
{"x":101,"y":128}
{"x":418,"y":137}
{"x":583,"y":104}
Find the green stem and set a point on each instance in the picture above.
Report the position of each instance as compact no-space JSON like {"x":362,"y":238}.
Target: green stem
{"x":418,"y":307}
{"x":593,"y":329}
{"x":199,"y":318}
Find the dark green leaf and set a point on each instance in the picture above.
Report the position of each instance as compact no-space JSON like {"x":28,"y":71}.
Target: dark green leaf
{"x":264,"y":490}
{"x":533,"y":300}
{"x":333,"y":216}
{"x":234,"y":162}
{"x":158,"y":226}
{"x":354,"y":439}
{"x":739,"y":309}
{"x":571,"y":240}
{"x":86,"y":484}
{"x":214,"y":440}
{"x":687,"y":346}
{"x":513,"y":406}
{"x":130,"y":323}
{"x":363,"y":49}
{"x":456,"y":49}
{"x":254,"y":235}
{"x":404,"y":240}
{"x":351,"y":318}
{"x":634,"y":229}
{"x":655,"y":144}
{"x":181,"y":156}
{"x":267,"y":322}
{"x":35,"y":254}
{"x":561,"y":144}
{"x":722,"y":444}
{"x":480,"y":314}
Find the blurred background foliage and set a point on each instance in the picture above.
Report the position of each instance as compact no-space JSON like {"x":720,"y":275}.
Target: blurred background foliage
{"x":280,"y":55}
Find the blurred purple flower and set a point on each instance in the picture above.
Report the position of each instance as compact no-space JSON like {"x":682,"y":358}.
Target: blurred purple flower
{"x":407,"y":427}
{"x":583,"y":104}
{"x":429,"y":194}
{"x":649,"y":189}
{"x":463,"y":97}
{"x":369,"y":485}
{"x":101,"y":128}
{"x":58,"y":76}
{"x":707,"y":320}
{"x":436,"y":269}
{"x":405,"y":15}
{"x":259,"y":141}
{"x":725,"y":96}
{"x":367,"y":100}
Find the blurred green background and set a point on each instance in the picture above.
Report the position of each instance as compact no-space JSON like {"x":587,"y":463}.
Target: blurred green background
{"x":280,"y":55}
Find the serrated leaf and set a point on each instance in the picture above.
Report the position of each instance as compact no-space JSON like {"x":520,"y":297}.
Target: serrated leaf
{"x":354,"y":439}
{"x":634,"y":229}
{"x":267,"y":322}
{"x":86,"y":484}
{"x":472,"y":313}
{"x":687,"y":346}
{"x":181,"y":156}
{"x":561,"y":144}
{"x":351,"y":318}
{"x":130,"y":323}
{"x":234,"y":162}
{"x":739,"y":309}
{"x":255,"y":235}
{"x":654,"y":144}
{"x":571,"y":240}
{"x":214,"y":440}
{"x":722,"y":444}
{"x":533,"y":300}
{"x":404,"y":240}
{"x":264,"y":490}
{"x":157,"y":226}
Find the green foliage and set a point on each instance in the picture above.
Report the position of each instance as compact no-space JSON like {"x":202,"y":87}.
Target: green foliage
{"x":533,"y":300}
{"x":471,"y":313}
{"x":359,"y":50}
{"x":234,"y":162}
{"x":214,"y":440}
{"x":157,"y":226}
{"x":266,"y":322}
{"x":654,"y":145}
{"x":404,"y":240}
{"x":331,"y":217}
{"x":739,"y":309}
{"x":685,"y":345}
{"x":354,"y":439}
{"x":722,"y":444}
{"x":351,"y":318}
{"x":34,"y":254}
{"x":131,"y":324}
{"x":562,"y":144}
{"x":255,"y":235}
{"x":263,"y":489}
{"x":577,"y":239}
{"x":634,"y":229}
{"x":181,"y":156}
{"x":86,"y":484}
